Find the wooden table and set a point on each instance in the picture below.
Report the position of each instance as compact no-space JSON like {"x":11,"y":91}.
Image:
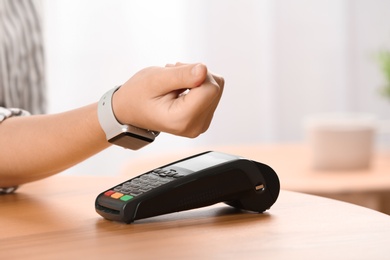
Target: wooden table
{"x":366,"y":187}
{"x":55,"y":219}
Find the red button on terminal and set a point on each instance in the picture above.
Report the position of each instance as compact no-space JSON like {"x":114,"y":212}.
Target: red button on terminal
{"x":109,"y":193}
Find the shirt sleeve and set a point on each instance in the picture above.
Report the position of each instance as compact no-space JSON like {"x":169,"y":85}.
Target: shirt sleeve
{"x":6,"y":113}
{"x":22,"y":66}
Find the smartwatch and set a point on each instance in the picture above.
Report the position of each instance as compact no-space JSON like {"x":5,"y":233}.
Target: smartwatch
{"x":127,"y":136}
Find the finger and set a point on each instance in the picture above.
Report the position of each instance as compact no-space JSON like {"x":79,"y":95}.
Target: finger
{"x":219,"y":79}
{"x":182,"y":77}
{"x":180,"y":64}
{"x":214,"y":104}
{"x":209,"y":112}
{"x":204,"y":96}
{"x":175,"y":65}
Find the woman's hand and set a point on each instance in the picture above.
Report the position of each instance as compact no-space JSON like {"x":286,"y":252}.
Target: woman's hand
{"x":178,"y":99}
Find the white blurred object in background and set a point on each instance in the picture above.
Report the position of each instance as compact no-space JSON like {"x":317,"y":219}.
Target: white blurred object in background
{"x":341,"y":141}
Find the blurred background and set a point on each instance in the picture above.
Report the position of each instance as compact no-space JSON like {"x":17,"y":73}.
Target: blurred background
{"x":282,"y":61}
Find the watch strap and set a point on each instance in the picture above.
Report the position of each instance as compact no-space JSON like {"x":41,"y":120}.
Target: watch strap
{"x":127,"y":136}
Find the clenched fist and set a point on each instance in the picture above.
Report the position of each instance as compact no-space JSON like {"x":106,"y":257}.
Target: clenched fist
{"x":178,"y":99}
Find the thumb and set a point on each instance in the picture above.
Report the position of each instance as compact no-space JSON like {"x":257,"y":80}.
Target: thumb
{"x":183,"y":77}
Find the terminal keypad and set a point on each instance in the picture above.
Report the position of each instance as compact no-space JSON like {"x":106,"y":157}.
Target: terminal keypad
{"x":144,"y":183}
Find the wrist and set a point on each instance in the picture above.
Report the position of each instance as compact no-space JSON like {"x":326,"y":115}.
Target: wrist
{"x":124,"y":135}
{"x":118,"y":108}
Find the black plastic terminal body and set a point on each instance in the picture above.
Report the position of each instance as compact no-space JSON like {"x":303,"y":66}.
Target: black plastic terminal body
{"x":240,"y":183}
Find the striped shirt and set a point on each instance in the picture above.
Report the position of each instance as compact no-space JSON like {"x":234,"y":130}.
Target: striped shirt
{"x":22,"y":85}
{"x":21,"y":56}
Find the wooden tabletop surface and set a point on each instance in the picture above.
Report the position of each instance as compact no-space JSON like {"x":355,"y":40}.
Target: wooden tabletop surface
{"x":55,"y":219}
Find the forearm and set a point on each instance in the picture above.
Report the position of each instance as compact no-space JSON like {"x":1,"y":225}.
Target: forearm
{"x":35,"y":147}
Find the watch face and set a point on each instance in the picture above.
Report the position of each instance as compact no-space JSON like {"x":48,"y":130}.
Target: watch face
{"x":130,"y":140}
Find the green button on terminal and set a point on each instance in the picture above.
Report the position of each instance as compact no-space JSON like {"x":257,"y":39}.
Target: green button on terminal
{"x":126,"y":197}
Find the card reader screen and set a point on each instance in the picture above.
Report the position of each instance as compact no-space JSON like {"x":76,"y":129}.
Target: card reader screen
{"x":205,"y":161}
